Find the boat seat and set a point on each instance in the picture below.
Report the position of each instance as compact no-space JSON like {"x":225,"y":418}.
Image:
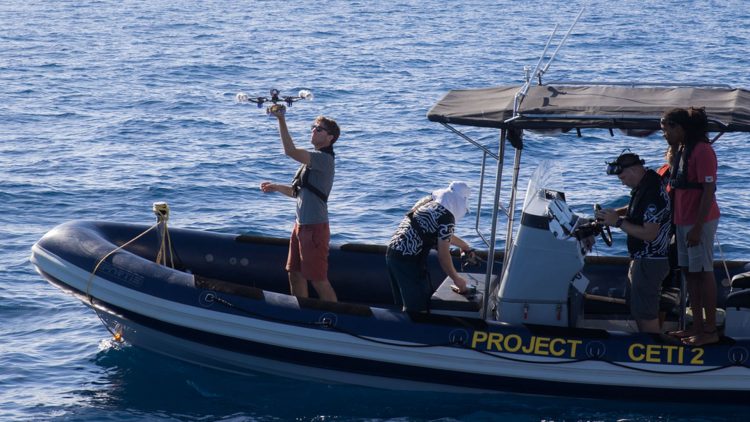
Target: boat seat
{"x":738,"y":299}
{"x":447,"y":302}
{"x":741,"y":281}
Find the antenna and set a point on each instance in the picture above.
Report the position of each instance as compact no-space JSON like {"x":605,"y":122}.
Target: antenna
{"x":538,"y":70}
{"x":542,"y":71}
{"x":525,"y":88}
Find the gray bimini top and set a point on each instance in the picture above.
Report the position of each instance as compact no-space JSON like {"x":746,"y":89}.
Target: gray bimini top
{"x":546,"y":107}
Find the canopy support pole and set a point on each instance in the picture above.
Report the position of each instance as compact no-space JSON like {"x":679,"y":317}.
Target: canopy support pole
{"x":493,"y":231}
{"x":512,"y":210}
{"x":479,"y":200}
{"x":471,"y":141}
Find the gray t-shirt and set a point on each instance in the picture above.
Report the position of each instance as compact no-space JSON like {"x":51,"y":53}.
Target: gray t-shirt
{"x":311,"y":209}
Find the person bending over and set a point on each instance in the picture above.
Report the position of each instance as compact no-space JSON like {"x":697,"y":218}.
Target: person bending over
{"x":429,"y":224}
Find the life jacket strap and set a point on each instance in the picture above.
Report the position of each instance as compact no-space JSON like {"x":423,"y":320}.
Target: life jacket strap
{"x":678,"y":177}
{"x":301,"y":180}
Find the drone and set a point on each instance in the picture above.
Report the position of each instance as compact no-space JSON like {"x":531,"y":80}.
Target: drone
{"x":278,"y":102}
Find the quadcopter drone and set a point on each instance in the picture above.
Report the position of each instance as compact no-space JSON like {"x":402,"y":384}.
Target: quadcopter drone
{"x":278,"y":102}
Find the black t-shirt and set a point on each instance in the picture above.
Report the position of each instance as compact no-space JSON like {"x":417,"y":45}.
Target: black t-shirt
{"x":649,"y":203}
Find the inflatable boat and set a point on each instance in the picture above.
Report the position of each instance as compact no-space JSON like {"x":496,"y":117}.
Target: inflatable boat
{"x":538,"y":319}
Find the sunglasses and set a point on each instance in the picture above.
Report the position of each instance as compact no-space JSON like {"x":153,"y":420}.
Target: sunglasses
{"x":318,"y":128}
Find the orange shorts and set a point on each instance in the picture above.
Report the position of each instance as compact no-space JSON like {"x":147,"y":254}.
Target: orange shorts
{"x":308,"y":251}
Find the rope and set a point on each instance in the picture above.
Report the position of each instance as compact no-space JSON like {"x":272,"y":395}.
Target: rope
{"x":96,"y":267}
{"x":161,"y":209}
{"x":117,"y":336}
{"x":463,"y":346}
{"x":654,"y":371}
{"x":512,"y":359}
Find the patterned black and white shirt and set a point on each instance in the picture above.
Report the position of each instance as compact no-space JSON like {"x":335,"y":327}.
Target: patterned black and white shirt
{"x":420,"y":230}
{"x":649,"y":203}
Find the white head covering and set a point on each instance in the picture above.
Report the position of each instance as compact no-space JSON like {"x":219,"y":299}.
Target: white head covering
{"x":455,"y":199}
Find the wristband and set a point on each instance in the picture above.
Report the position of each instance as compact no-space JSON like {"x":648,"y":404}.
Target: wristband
{"x":619,"y":222}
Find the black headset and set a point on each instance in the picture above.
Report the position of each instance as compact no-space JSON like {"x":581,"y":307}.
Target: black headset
{"x":625,"y":160}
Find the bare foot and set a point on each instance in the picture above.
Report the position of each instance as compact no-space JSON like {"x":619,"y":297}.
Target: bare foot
{"x":702,"y":339}
{"x":683,"y":333}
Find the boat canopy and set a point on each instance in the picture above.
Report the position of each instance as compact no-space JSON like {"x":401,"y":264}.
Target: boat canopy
{"x":570,"y":106}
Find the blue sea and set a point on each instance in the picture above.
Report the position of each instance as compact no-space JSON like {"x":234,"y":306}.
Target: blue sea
{"x":109,"y":106}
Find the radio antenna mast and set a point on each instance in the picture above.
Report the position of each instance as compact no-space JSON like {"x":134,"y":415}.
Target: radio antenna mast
{"x":538,"y":69}
{"x":542,"y":71}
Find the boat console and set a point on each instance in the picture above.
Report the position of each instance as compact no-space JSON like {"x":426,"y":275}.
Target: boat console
{"x":543,"y":283}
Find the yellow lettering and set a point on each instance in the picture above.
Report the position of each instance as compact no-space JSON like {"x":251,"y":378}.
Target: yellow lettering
{"x":479,"y":337}
{"x":553,"y":350}
{"x":530,"y":347}
{"x":632,"y":352}
{"x":494,"y":342}
{"x":542,"y":346}
{"x":573,"y":344}
{"x":514,"y":343}
{"x":697,"y":359}
{"x":669,"y":350}
{"x":681,"y":356}
{"x":653,"y":353}
{"x":513,"y":347}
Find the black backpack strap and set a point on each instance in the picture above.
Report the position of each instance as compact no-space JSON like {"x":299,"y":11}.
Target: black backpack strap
{"x":301,"y":178}
{"x":301,"y":181}
{"x":678,"y":173}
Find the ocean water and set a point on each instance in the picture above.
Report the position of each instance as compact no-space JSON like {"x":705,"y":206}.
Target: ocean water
{"x":109,"y":106}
